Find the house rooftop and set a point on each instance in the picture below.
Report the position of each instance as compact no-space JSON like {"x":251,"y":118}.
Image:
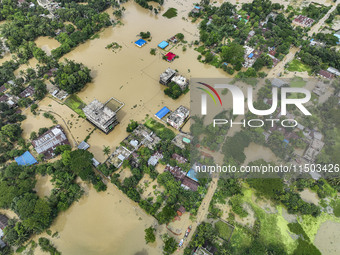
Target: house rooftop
{"x":140,"y":42}
{"x":170,"y":56}
{"x":26,"y":159}
{"x":83,"y":146}
{"x":28,"y":92}
{"x":100,"y":115}
{"x":278,"y":83}
{"x":326,"y":74}
{"x":163,"y":44}
{"x":47,"y":142}
{"x":162,"y":112}
{"x":3,"y":221}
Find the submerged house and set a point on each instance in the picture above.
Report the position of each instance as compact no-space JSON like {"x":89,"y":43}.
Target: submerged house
{"x":140,"y":43}
{"x":166,"y":76}
{"x":181,"y":81}
{"x":48,"y":142}
{"x":177,"y":118}
{"x":101,"y":116}
{"x":170,"y":56}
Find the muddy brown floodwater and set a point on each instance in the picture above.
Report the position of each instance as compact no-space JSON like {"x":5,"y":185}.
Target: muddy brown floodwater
{"x":255,"y":151}
{"x":109,"y":223}
{"x":327,"y":238}
{"x":47,"y":44}
{"x":103,"y":223}
{"x":44,"y":186}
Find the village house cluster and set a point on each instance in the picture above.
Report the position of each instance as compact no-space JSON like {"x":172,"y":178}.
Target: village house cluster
{"x":140,"y":136}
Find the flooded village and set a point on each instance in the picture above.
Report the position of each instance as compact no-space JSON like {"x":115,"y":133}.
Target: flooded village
{"x":131,"y":124}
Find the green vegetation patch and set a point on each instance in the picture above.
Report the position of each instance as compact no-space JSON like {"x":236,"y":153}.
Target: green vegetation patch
{"x":297,"y":66}
{"x":170,"y":13}
{"x":160,"y":130}
{"x":296,"y":228}
{"x":312,"y":224}
{"x":297,"y":82}
{"x":337,"y":208}
{"x":224,"y":230}
{"x":241,"y":238}
{"x":76,"y":104}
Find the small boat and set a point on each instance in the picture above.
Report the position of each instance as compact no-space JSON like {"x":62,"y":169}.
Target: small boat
{"x":181,"y":243}
{"x":188,"y":231}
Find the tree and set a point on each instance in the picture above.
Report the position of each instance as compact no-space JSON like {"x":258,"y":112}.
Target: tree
{"x":232,"y":53}
{"x":180,"y":36}
{"x":170,"y":245}
{"x":11,"y":131}
{"x":40,"y":89}
{"x":106,"y":150}
{"x":149,"y":235}
{"x":72,"y":76}
{"x":131,"y":126}
{"x":40,"y":219}
{"x":80,"y":162}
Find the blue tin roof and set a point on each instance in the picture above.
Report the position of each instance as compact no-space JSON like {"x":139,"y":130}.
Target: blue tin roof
{"x":26,"y":159}
{"x":164,"y":111}
{"x":163,"y":44}
{"x":140,"y":42}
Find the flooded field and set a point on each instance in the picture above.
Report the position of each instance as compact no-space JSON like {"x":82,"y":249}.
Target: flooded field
{"x":254,"y":152}
{"x":103,"y":223}
{"x":327,"y":238}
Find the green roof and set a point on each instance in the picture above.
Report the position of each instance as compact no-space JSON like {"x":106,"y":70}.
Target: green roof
{"x":186,"y":140}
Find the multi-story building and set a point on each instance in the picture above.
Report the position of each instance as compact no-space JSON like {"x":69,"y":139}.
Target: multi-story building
{"x":101,"y":116}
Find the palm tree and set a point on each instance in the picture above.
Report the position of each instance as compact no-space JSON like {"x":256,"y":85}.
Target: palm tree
{"x":106,"y":150}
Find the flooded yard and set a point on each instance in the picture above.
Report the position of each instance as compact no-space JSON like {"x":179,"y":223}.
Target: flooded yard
{"x":44,"y":186}
{"x":47,"y":44}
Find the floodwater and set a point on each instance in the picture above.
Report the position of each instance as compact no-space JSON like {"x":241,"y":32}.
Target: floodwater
{"x":75,"y":127}
{"x":31,"y":64}
{"x":109,"y":223}
{"x":255,"y":152}
{"x":309,"y":196}
{"x":47,"y":44}
{"x":103,"y":223}
{"x":327,"y":238}
{"x":131,"y":75}
{"x":44,"y":186}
